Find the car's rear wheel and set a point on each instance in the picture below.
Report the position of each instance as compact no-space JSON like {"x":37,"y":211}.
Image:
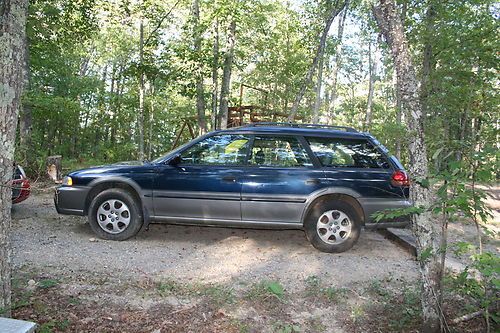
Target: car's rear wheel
{"x":332,"y":226}
{"x":114,"y":214}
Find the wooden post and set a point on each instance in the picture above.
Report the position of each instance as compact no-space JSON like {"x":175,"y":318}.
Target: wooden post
{"x":54,"y":168}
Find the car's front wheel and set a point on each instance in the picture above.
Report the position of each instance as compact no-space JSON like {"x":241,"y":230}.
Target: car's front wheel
{"x":115,"y":215}
{"x":332,"y":226}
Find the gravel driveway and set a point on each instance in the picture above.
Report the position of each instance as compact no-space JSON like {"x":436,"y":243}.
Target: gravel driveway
{"x":45,"y":240}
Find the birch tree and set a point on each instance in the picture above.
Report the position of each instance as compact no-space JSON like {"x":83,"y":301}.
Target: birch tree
{"x":337,"y":62}
{"x":200,"y":93}
{"x":426,"y":227}
{"x":140,"y":116}
{"x":226,"y":75}
{"x":372,"y":72}
{"x":12,"y":53}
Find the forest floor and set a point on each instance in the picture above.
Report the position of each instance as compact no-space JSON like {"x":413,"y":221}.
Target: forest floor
{"x":200,"y":279}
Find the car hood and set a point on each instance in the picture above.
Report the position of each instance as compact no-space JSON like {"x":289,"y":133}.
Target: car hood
{"x":115,"y":168}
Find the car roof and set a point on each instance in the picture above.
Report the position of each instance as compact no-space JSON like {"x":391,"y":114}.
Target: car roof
{"x":309,"y":130}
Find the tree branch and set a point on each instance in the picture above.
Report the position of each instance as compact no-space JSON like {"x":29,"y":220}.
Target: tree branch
{"x":160,"y":22}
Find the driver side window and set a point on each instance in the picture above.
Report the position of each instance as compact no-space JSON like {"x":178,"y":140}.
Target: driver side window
{"x":218,"y":150}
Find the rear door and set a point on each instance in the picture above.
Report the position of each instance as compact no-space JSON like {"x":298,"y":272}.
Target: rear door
{"x":279,"y":177}
{"x":357,"y":164}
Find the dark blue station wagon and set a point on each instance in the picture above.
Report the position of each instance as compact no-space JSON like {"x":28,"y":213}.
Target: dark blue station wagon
{"x":326,"y":180}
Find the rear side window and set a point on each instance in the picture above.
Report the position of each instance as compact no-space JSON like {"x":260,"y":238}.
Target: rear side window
{"x":278,"y":152}
{"x":355,"y":153}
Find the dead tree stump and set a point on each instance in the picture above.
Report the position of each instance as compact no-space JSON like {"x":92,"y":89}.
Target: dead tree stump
{"x":54,"y":168}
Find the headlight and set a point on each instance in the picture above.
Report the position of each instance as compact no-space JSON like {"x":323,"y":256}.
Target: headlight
{"x":67,"y":181}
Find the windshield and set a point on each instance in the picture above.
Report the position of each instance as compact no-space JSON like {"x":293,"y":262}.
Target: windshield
{"x":176,"y":150}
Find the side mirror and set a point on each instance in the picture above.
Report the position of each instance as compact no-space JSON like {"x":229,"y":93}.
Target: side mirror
{"x":176,"y":160}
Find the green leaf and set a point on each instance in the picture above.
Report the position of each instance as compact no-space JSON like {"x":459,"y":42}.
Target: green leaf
{"x":48,"y":283}
{"x":276,"y":288}
{"x":425,"y":254}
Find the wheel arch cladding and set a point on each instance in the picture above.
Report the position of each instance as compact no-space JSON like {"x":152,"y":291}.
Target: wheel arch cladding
{"x":336,"y":197}
{"x":111,"y":184}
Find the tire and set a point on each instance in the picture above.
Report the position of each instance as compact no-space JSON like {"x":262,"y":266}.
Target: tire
{"x":332,"y":226}
{"x":114,"y":214}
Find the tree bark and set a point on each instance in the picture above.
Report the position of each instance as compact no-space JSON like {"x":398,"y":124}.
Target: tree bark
{"x":215,"y":74}
{"x":12,"y":53}
{"x":200,"y":93}
{"x":226,"y":76}
{"x":319,"y":81}
{"x":26,"y":117}
{"x":140,"y":122}
{"x":428,"y":62}
{"x":399,"y":113}
{"x":336,"y":9}
{"x":337,"y":63}
{"x":372,"y":69}
{"x":426,"y":226}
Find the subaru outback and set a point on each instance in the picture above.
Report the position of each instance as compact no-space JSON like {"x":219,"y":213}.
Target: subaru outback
{"x":326,"y":180}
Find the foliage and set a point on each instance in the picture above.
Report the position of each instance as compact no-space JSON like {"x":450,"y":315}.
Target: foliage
{"x":84,"y":71}
{"x":480,"y":280}
{"x":265,"y":289}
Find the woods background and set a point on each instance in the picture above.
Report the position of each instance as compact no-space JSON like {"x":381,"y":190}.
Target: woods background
{"x":96,"y":85}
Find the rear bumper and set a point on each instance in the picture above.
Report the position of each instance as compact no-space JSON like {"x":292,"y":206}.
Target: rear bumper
{"x":70,"y":200}
{"x":374,"y":205}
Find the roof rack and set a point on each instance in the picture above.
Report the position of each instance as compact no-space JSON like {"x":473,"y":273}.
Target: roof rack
{"x":296,"y":125}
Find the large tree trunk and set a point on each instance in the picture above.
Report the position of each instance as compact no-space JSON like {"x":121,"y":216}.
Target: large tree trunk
{"x":200,"y":94}
{"x":428,"y":62}
{"x":25,"y":113}
{"x":140,"y":122}
{"x":226,"y":75}
{"x":372,"y":71}
{"x":337,"y":63}
{"x":12,"y":53}
{"x":215,"y":74}
{"x":426,"y":226}
{"x":336,"y":9}
{"x":399,"y":114}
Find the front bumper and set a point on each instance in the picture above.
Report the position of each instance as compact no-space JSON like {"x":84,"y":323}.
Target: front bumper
{"x":70,"y":200}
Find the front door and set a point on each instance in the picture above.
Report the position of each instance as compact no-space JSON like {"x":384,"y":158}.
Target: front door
{"x":206,"y":184}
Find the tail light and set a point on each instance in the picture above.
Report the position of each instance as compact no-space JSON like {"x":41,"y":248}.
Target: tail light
{"x":400,"y":178}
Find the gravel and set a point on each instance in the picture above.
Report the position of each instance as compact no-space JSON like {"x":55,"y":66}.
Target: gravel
{"x":49,"y":242}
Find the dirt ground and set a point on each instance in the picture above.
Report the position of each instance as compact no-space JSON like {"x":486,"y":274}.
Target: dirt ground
{"x":201,"y":279}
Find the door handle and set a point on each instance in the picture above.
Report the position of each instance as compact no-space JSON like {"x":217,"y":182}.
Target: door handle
{"x":230,"y":179}
{"x":313,"y":181}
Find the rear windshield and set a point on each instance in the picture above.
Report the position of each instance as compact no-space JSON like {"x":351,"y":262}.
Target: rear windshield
{"x":354,"y":153}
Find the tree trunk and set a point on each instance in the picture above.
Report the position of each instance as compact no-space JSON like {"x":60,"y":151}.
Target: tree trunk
{"x":317,"y":102}
{"x":226,"y":76}
{"x":426,"y":226}
{"x":25,"y":117}
{"x":12,"y":62}
{"x":372,"y":69}
{"x":140,"y":122}
{"x":336,"y":9}
{"x":151,"y":121}
{"x":200,"y":94}
{"x":399,"y":114}
{"x":428,"y":62}
{"x":215,"y":74}
{"x":337,"y":63}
